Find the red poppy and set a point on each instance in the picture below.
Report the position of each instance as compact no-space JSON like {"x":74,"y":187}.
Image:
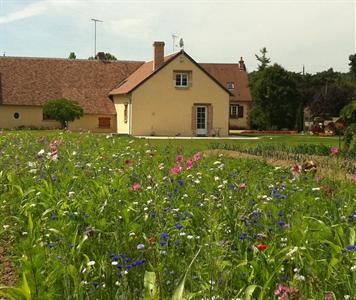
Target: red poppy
{"x":127,"y":162}
{"x":261,"y":247}
{"x":151,"y":239}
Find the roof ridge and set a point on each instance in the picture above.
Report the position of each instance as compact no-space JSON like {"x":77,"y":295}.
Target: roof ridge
{"x":205,"y":63}
{"x":67,"y":59}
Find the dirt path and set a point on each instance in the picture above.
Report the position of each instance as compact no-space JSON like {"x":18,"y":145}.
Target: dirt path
{"x":324,"y":172}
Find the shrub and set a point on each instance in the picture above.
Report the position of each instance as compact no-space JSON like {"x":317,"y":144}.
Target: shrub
{"x":63,"y":110}
{"x":350,"y":132}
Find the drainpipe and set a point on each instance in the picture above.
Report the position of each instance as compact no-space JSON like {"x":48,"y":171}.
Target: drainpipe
{"x":130,"y":113}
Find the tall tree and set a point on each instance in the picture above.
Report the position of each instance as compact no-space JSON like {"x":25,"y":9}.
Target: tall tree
{"x":352,"y":64}
{"x":263,"y":59}
{"x":72,"y":56}
{"x":275,"y":99}
{"x":105,"y":56}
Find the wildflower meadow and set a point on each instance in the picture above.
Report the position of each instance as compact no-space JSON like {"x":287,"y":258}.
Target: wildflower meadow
{"x":87,"y":216}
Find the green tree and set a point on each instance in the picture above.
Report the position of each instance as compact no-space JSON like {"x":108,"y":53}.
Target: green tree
{"x":275,"y":99}
{"x":263,"y":59}
{"x":348,"y":113}
{"x":62,"y":110}
{"x":72,"y":56}
{"x":352,"y":64}
{"x":106,"y":56}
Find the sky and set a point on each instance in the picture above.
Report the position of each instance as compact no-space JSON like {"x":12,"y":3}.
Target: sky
{"x":318,"y":34}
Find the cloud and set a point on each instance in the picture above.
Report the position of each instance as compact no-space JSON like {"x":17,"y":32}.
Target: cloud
{"x":28,"y":11}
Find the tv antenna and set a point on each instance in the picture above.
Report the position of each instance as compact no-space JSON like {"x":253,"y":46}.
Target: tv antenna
{"x":95,"y":21}
{"x":174,"y":37}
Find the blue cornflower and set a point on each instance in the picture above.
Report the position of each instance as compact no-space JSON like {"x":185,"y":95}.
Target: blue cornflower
{"x":50,"y":245}
{"x":180,"y":182}
{"x":162,"y":243}
{"x":54,"y":177}
{"x":243,"y":236}
{"x":113,"y":257}
{"x":351,"y":248}
{"x":176,"y":242}
{"x":281,"y":223}
{"x":164,"y":235}
{"x":95,"y":285}
{"x":178,"y":226}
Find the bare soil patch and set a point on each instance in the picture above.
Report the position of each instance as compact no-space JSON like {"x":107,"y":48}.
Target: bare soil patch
{"x":323,"y":172}
{"x":7,"y":272}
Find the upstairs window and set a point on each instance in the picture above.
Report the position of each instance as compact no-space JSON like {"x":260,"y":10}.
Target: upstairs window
{"x":182,"y":79}
{"x":230,"y":86}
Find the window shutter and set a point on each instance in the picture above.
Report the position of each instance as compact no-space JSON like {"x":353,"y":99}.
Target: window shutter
{"x":241,"y":111}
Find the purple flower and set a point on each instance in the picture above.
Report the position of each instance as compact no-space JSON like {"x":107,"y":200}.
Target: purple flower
{"x":179,"y":226}
{"x":351,"y":248}
{"x":162,"y":243}
{"x":164,"y":235}
{"x":243,"y":236}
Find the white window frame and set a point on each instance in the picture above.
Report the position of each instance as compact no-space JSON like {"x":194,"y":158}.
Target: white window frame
{"x":230,"y":85}
{"x":180,"y":84}
{"x":232,"y":113}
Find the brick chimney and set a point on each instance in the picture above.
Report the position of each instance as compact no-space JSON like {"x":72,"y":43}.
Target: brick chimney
{"x":242,"y":65}
{"x":158,"y":54}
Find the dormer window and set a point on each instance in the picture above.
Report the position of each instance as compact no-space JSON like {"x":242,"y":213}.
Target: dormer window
{"x":230,"y":86}
{"x":182,"y":79}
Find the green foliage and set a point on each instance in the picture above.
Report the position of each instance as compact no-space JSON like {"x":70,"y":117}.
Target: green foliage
{"x":348,"y":113}
{"x":275,"y":99}
{"x":263,"y":59}
{"x":107,"y":56}
{"x":75,"y":223}
{"x":350,"y":132}
{"x":72,"y":56}
{"x":352,"y":64}
{"x":63,"y":110}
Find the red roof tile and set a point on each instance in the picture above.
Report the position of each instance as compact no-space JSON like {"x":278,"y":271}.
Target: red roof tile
{"x":141,"y":74}
{"x":225,"y":73}
{"x":34,"y":81}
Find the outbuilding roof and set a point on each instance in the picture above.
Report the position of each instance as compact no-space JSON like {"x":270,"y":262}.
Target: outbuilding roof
{"x":34,"y":81}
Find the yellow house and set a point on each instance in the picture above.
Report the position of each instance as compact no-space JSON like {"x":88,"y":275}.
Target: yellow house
{"x":169,"y":96}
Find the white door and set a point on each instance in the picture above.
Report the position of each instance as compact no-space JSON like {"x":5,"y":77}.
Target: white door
{"x":201,"y":118}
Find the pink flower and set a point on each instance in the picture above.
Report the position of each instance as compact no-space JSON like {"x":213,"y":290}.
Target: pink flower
{"x":176,"y":169}
{"x":135,"y":186}
{"x":179,"y":158}
{"x":188,"y":164}
{"x":242,"y":185}
{"x":334,"y":151}
{"x":353,"y":177}
{"x":297,"y":169}
{"x":196,"y":156}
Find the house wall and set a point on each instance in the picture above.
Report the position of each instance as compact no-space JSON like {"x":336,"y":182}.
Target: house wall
{"x":119,"y":102}
{"x":159,"y":108}
{"x":241,"y":123}
{"x":91,"y":123}
{"x":31,"y":116}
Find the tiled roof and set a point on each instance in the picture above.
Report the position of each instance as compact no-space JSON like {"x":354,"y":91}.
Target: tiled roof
{"x":34,"y":81}
{"x":225,"y":73}
{"x":140,"y":75}
{"x":222,"y":73}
